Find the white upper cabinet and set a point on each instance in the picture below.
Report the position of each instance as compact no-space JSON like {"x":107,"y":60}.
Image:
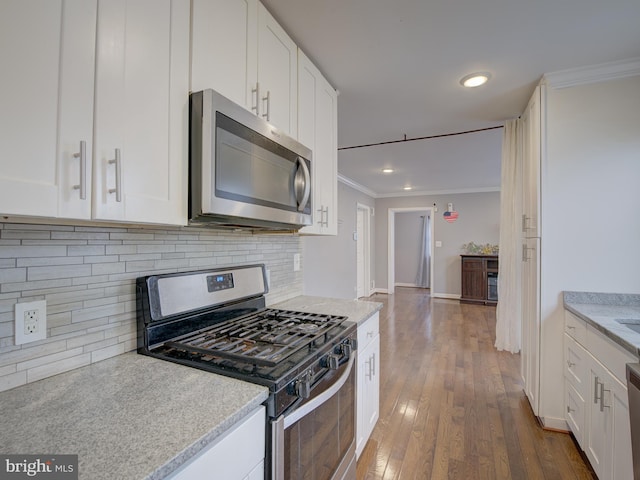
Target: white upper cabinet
{"x":318,"y":130}
{"x":141,"y":111}
{"x":224,"y":49}
{"x":277,"y":74}
{"x":46,"y":106}
{"x":239,"y":50}
{"x":118,"y":152}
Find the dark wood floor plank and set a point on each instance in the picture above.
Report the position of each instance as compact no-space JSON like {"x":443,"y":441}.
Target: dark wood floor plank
{"x":451,"y":406}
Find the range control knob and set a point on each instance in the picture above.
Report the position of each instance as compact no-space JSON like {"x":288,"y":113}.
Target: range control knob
{"x":346,"y":349}
{"x":331,"y":361}
{"x":302,"y":386}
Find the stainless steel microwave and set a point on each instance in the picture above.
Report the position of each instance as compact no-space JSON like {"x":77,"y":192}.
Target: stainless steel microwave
{"x":243,"y":172}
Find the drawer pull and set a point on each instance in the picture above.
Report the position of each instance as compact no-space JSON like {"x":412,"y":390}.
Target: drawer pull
{"x":571,"y":327}
{"x":570,"y":364}
{"x":570,"y":410}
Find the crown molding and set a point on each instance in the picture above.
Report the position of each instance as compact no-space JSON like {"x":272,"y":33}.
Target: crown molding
{"x":439,"y":192}
{"x":361,"y":188}
{"x":593,"y":73}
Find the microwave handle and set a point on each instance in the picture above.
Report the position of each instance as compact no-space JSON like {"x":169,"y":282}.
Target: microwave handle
{"x":303,"y":184}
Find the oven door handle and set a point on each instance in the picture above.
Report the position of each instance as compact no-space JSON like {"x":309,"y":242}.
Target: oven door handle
{"x":315,"y":402}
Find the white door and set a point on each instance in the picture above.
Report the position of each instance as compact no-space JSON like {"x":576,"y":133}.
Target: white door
{"x":142,"y":85}
{"x":363,"y":258}
{"x":46,"y":105}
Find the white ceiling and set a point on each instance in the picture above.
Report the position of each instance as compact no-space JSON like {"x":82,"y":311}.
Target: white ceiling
{"x":397,"y":64}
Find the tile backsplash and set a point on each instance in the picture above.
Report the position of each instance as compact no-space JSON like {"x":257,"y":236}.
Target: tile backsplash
{"x":87,"y":277}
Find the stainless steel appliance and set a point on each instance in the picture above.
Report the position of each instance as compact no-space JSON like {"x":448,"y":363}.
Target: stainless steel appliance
{"x":633,"y":388}
{"x":216,"y":320}
{"x":243,"y":171}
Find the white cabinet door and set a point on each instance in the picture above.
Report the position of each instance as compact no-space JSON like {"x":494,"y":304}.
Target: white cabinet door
{"x":609,"y":433}
{"x":318,"y":130}
{"x":224,"y":49}
{"x":368,"y":395}
{"x":46,"y":105}
{"x":531,"y":319}
{"x":141,"y":111}
{"x":532,"y":131}
{"x":277,"y":74}
{"x":238,"y":455}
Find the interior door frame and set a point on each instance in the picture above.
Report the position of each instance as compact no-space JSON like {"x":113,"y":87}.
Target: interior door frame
{"x":365,"y":237}
{"x":391,"y":246}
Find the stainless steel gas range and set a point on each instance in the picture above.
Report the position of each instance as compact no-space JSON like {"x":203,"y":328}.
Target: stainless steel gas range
{"x":216,"y":320}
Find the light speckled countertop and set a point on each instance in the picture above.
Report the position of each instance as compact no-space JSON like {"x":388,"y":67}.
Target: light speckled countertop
{"x":357,"y":310}
{"x":601,"y":311}
{"x":127,"y":417}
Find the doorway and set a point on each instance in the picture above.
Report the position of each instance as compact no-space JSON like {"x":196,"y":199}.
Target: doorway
{"x":391,"y":247}
{"x":363,"y":251}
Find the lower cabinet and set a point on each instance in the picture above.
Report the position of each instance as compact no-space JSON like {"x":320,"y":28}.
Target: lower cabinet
{"x":597,"y":406}
{"x":368,"y":401}
{"x":238,"y":455}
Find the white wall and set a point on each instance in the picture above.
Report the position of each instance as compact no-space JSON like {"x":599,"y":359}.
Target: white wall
{"x":329,"y":262}
{"x":478,"y":221}
{"x":590,"y":202}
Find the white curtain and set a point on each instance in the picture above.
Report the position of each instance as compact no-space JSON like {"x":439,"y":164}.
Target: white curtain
{"x":422,"y":278}
{"x":508,"y":321}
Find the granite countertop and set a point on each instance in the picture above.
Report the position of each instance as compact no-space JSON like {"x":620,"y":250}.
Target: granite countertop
{"x":601,"y":310}
{"x":129,"y":416}
{"x":358,"y":311}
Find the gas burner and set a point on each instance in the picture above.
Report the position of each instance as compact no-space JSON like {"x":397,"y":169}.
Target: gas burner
{"x":307,"y":327}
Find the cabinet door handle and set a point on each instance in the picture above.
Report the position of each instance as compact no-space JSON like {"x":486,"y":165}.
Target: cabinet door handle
{"x":326,"y":222}
{"x":257,"y":92}
{"x":570,"y":364}
{"x":524,"y":252}
{"x":267,"y":100}
{"x":569,"y":409}
{"x":524,"y":223}
{"x":118,"y":163}
{"x":373,"y":364}
{"x":595,"y":390}
{"x":82,"y":155}
{"x":602,"y":390}
{"x":571,"y":327}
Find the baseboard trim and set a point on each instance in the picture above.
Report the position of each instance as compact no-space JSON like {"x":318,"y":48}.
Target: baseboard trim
{"x":555,"y":424}
{"x":450,"y":296}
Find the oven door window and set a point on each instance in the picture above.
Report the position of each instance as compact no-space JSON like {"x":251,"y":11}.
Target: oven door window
{"x":253,"y":169}
{"x":318,"y":446}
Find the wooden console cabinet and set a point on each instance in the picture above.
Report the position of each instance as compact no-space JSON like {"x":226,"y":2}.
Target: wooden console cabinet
{"x":479,"y":279}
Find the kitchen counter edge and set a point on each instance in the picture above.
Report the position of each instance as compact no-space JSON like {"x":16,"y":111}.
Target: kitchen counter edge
{"x":358,"y":311}
{"x":601,"y":310}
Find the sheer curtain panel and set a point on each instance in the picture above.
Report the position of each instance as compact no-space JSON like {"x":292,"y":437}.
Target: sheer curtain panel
{"x":422,"y":278}
{"x":508,"y":321}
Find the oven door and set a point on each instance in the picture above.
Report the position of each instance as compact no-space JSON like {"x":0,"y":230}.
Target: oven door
{"x":316,"y":441}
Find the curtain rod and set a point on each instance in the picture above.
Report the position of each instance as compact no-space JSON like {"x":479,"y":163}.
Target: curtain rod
{"x":405,"y":139}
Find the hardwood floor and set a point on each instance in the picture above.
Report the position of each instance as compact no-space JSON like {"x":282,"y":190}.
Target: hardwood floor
{"x":451,"y":406}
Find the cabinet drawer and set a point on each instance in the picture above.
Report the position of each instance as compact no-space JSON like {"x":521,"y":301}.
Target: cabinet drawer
{"x":574,"y":412}
{"x":612,"y":356}
{"x":575,"y":327}
{"x":368,"y":330}
{"x":576,"y":365}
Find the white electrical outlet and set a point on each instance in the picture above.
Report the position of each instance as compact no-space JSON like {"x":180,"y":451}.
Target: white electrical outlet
{"x":296,"y":262}
{"x":31,"y":321}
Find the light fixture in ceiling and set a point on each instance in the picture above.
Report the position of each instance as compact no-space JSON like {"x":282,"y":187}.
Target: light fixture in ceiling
{"x":387,"y":170}
{"x":475,"y":79}
{"x":407,"y":188}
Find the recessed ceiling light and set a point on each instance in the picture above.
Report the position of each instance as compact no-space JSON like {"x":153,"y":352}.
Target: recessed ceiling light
{"x":475,"y":79}
{"x":387,"y":170}
{"x":407,"y":188}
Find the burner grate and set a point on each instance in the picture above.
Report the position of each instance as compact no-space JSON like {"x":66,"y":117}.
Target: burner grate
{"x":264,"y":338}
